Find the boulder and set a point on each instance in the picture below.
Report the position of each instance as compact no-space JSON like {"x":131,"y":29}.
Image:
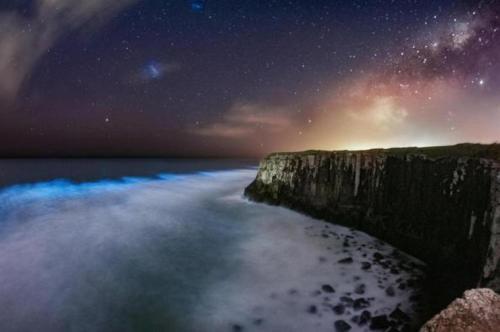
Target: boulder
{"x":477,"y":311}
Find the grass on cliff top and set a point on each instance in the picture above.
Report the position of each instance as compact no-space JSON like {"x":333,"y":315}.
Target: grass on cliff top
{"x":489,"y":151}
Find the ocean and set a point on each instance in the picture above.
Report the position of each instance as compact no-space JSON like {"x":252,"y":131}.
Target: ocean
{"x":172,"y":245}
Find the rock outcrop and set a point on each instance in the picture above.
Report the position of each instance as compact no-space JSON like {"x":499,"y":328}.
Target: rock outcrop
{"x":477,"y":311}
{"x":439,"y":204}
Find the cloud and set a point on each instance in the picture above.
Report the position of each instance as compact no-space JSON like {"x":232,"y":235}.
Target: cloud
{"x":383,"y":113}
{"x":152,"y":71}
{"x":25,"y":39}
{"x":247,"y":119}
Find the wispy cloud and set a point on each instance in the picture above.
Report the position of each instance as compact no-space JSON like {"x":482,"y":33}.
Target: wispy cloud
{"x":246,"y":119}
{"x":153,"y":71}
{"x":24,"y":40}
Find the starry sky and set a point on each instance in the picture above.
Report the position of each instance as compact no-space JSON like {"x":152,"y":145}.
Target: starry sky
{"x":227,"y":78}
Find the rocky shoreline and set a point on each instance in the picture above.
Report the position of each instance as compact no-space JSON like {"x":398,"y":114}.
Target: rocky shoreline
{"x":356,"y":305}
{"x":372,"y":287}
{"x":439,"y":204}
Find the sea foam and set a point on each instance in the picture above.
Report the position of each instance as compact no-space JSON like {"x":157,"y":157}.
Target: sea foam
{"x":179,"y":253}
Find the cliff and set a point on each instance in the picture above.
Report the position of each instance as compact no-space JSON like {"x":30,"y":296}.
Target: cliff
{"x":440,"y":204}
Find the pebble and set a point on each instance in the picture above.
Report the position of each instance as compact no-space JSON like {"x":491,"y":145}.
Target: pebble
{"x":360,"y":303}
{"x":346,"y":260}
{"x":365,"y":317}
{"x":346,"y":300}
{"x":360,"y":289}
{"x":237,"y":328}
{"x":390,"y":291}
{"x":312,"y":309}
{"x":258,"y":321}
{"x":399,"y":315}
{"x":342,"y":326}
{"x":366,"y":265}
{"x":339,"y":309}
{"x":327,"y":289}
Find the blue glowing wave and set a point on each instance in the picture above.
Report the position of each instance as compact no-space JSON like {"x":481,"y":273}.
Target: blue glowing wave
{"x":66,"y":189}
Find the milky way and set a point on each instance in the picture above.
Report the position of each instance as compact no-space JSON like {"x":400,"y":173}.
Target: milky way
{"x":245,"y":78}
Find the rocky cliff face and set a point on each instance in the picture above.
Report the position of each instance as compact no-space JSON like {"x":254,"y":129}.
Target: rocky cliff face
{"x":477,"y":311}
{"x":441,"y":204}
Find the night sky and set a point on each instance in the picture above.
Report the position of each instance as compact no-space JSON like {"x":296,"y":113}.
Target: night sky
{"x":245,"y":78}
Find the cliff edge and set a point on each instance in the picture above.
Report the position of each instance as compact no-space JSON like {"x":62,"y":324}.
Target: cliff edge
{"x":440,"y":204}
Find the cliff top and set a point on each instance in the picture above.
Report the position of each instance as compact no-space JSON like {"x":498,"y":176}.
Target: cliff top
{"x":471,"y":150}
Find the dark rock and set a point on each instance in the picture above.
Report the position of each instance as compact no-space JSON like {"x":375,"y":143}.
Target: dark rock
{"x":399,"y":315}
{"x":378,"y":256}
{"x":379,"y":323}
{"x":258,"y":321}
{"x":321,"y":259}
{"x":327,"y":289}
{"x":366,"y":265}
{"x":364,"y":318}
{"x":390,"y":291}
{"x":360,"y":303}
{"x":237,"y":328}
{"x":312,"y":309}
{"x":293,"y":291}
{"x":342,"y":326}
{"x":477,"y":311}
{"x":346,"y":260}
{"x":339,"y":309}
{"x":360,"y":289}
{"x":384,"y":264}
{"x":347,"y":301}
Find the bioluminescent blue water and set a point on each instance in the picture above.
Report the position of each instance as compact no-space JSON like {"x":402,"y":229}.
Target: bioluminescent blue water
{"x":176,"y":252}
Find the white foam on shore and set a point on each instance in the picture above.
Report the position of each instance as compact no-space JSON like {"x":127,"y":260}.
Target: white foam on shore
{"x":185,"y":253}
{"x":285,"y":263}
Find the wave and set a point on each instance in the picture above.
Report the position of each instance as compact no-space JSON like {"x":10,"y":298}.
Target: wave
{"x":170,"y":252}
